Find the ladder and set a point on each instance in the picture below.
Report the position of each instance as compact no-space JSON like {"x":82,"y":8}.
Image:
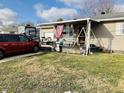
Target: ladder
{"x":77,"y":38}
{"x":85,"y":32}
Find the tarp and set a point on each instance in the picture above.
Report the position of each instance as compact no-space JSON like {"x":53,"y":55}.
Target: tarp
{"x":59,"y":30}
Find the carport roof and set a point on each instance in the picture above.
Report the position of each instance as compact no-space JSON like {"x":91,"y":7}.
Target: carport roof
{"x":67,"y":21}
{"x":102,"y":18}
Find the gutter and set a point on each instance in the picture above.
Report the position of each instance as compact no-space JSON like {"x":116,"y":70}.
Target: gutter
{"x":110,"y":19}
{"x":67,"y":21}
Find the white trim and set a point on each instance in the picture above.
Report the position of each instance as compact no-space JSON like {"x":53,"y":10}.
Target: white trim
{"x":68,"y":21}
{"x":79,"y":20}
{"x":88,"y":36}
{"x":111,"y":19}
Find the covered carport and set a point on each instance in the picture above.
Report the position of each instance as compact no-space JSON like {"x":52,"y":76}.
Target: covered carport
{"x":85,"y":26}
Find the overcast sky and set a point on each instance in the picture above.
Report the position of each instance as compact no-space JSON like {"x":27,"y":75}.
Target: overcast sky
{"x":41,"y":10}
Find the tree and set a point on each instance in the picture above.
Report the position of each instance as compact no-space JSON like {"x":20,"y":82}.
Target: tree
{"x":60,"y":19}
{"x":26,"y":23}
{"x":97,"y":7}
{"x":105,"y":6}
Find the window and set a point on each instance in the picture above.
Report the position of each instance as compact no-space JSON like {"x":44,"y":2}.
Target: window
{"x":120,"y":28}
{"x":68,"y":30}
{"x":71,"y":30}
{"x":31,"y":31}
{"x":1,"y":38}
{"x":23,"y":39}
{"x":10,"y":38}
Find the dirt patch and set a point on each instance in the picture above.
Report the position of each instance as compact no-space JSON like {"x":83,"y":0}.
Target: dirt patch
{"x":33,"y":69}
{"x":120,"y":86}
{"x":32,"y":66}
{"x":23,"y":62}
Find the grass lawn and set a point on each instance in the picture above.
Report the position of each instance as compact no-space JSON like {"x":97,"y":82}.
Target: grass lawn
{"x":60,"y":72}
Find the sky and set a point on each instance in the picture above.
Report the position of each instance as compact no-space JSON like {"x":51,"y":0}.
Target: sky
{"x":20,"y":11}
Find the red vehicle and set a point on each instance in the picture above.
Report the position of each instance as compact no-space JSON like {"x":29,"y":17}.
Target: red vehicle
{"x":16,"y":43}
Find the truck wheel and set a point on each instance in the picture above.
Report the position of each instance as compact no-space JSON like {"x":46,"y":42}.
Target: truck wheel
{"x":35,"y":49}
{"x":1,"y":54}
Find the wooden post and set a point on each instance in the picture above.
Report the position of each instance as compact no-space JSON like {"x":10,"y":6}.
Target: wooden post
{"x":88,"y":36}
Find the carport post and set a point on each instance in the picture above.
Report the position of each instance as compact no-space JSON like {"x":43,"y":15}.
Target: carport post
{"x":88,"y":36}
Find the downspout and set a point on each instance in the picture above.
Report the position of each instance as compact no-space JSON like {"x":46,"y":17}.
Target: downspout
{"x":88,"y":36}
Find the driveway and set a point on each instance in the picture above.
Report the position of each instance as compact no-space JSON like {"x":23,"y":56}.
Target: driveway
{"x":19,"y":56}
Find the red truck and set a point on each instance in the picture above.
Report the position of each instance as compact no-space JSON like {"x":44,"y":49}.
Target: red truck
{"x":16,"y":43}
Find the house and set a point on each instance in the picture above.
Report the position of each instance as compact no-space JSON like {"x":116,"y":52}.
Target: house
{"x":110,"y":31}
{"x":106,"y":31}
{"x":9,"y":29}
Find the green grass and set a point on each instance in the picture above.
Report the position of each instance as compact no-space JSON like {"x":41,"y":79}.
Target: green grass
{"x":60,"y":72}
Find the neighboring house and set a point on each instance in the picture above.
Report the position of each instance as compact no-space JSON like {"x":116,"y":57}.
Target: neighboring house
{"x":106,"y":31}
{"x":10,"y":29}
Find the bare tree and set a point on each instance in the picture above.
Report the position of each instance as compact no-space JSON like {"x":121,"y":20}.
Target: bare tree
{"x":26,"y":23}
{"x":97,"y":7}
{"x":60,"y":19}
{"x":105,"y":6}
